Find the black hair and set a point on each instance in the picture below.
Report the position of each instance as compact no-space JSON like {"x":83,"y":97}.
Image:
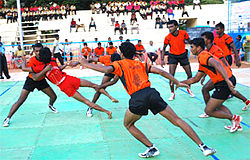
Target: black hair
{"x":110,"y":43}
{"x":85,"y":44}
{"x":38,"y":45}
{"x":198,"y":42}
{"x":220,"y":25}
{"x":173,"y":22}
{"x":139,"y":41}
{"x":208,"y":35}
{"x":45,"y":55}
{"x":239,"y":36}
{"x":128,"y":50}
{"x":56,"y":35}
{"x":115,"y":57}
{"x":99,"y":43}
{"x":127,"y":40}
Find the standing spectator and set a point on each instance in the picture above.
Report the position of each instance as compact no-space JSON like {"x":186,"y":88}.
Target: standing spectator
{"x":117,"y":27}
{"x":99,"y":51}
{"x":196,"y":2}
{"x":86,"y":51}
{"x":123,"y":27}
{"x":3,"y":61}
{"x":56,"y":50}
{"x":152,"y":52}
{"x":72,"y":24}
{"x":112,"y":18}
{"x":111,"y":49}
{"x":68,"y":50}
{"x":238,"y":44}
{"x":92,"y":24}
{"x":67,"y":9}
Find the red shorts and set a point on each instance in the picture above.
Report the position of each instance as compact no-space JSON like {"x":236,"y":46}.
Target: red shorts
{"x":70,"y":85}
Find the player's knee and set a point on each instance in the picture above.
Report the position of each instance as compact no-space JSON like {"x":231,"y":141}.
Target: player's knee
{"x":204,"y":89}
{"x":208,"y":111}
{"x":127,"y":125}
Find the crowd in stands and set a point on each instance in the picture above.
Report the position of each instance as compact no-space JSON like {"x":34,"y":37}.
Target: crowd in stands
{"x":35,"y":13}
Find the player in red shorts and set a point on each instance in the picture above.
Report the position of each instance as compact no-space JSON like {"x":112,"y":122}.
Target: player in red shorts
{"x":68,"y":84}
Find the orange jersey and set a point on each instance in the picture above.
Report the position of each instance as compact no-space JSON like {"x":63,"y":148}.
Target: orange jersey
{"x":110,"y":51}
{"x":216,"y":51}
{"x":86,"y":51}
{"x":224,"y":43}
{"x":99,"y":51}
{"x":106,"y":60}
{"x":177,"y":44}
{"x":139,"y":48}
{"x":133,"y":74}
{"x":214,"y":75}
{"x":33,"y":62}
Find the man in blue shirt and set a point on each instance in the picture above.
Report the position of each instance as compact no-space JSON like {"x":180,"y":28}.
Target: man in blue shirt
{"x":238,"y":43}
{"x":3,"y":62}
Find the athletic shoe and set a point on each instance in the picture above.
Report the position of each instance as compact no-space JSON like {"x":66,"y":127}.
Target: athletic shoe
{"x":206,"y":150}
{"x":228,"y":127}
{"x":203,"y":115}
{"x":247,"y":105}
{"x":190,"y":93}
{"x":150,"y":152}
{"x":89,"y":112}
{"x":6,"y":122}
{"x":235,"y":123}
{"x":53,"y":109}
{"x":172,"y":96}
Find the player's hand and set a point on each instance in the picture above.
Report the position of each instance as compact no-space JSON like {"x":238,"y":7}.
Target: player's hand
{"x":181,"y":85}
{"x":202,"y":80}
{"x":162,"y":64}
{"x":231,"y":87}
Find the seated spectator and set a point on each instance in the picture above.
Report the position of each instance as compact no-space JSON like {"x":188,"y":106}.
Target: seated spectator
{"x":86,"y":51}
{"x":143,"y":13}
{"x":170,"y":13}
{"x":92,"y":24}
{"x":117,"y":27}
{"x":111,"y":49}
{"x":164,"y":20}
{"x":99,"y":51}
{"x":72,"y":24}
{"x":122,"y":9}
{"x":108,"y":10}
{"x":135,"y":26}
{"x":80,"y":25}
{"x":133,"y":18}
{"x":196,"y":2}
{"x":123,"y":27}
{"x":149,"y":12}
{"x":158,"y":21}
{"x":92,"y":7}
{"x":152,"y":52}
{"x":97,"y":7}
{"x":19,"y":53}
{"x":140,"y":50}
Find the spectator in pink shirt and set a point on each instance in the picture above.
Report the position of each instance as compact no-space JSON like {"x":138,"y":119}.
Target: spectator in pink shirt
{"x":170,"y":13}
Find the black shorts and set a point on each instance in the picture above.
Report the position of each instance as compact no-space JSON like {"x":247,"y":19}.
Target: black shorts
{"x":175,"y":59}
{"x":221,"y":89}
{"x":30,"y":84}
{"x":145,"y":99}
{"x":229,"y":60}
{"x":109,"y":75}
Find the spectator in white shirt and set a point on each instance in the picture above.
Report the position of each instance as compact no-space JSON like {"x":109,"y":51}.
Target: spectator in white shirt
{"x":56,"y":50}
{"x":68,"y":50}
{"x":151,"y":52}
{"x":92,"y":24}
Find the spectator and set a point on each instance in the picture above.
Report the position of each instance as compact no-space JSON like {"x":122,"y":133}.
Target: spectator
{"x":117,"y":27}
{"x":68,"y":50}
{"x":112,"y":18}
{"x":97,"y":7}
{"x":86,"y":51}
{"x":99,"y":51}
{"x":143,"y":13}
{"x":196,"y":2}
{"x":92,"y":7}
{"x":170,"y":13}
{"x":80,"y":25}
{"x":149,"y":12}
{"x":152,"y":52}
{"x":72,"y":24}
{"x":133,"y":18}
{"x":123,"y":27}
{"x":56,"y":50}
{"x":140,"y":50}
{"x":111,"y":49}
{"x":3,"y":61}
{"x":158,"y":21}
{"x":238,"y":44}
{"x":19,"y":53}
{"x":184,"y":12}
{"x":164,"y":21}
{"x":109,"y":40}
{"x":92,"y":24}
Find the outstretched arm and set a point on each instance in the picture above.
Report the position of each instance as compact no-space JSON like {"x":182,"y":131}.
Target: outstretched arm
{"x":96,"y":67}
{"x":168,"y":76}
{"x":194,"y":79}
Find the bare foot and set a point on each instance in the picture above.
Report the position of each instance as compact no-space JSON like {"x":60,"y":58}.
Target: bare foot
{"x":115,"y":100}
{"x":109,"y":115}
